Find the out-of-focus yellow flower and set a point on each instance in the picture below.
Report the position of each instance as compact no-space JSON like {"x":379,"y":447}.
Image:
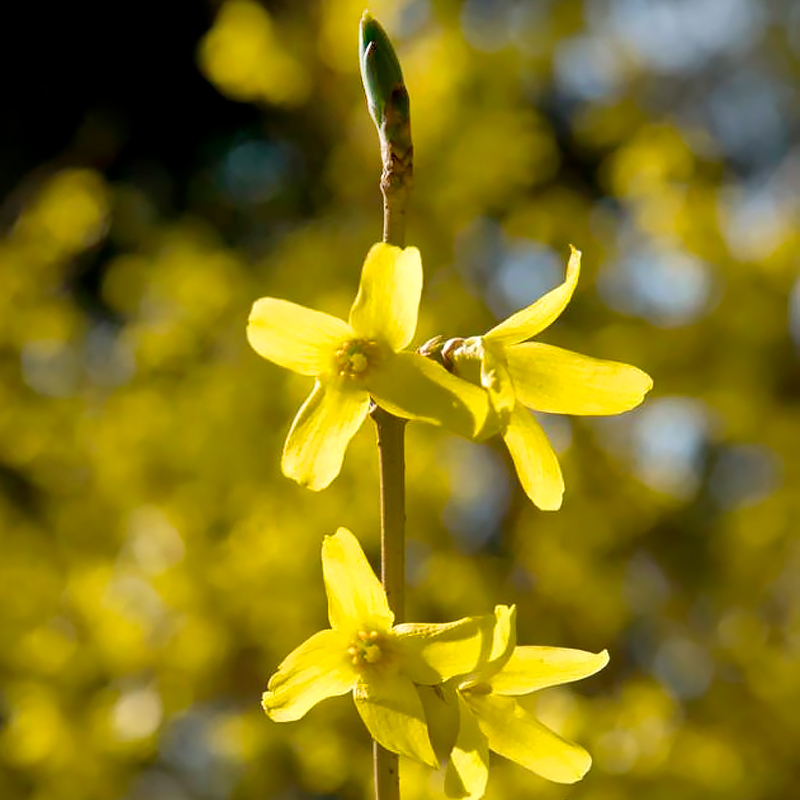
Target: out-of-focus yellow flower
{"x":244,"y":55}
{"x":355,"y":360}
{"x":364,"y":652}
{"x":518,"y":373}
{"x":470,"y":715}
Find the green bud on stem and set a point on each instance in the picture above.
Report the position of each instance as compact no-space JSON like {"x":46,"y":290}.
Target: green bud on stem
{"x":389,"y":107}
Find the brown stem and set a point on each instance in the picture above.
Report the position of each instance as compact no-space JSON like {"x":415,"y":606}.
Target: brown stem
{"x":397,"y":154}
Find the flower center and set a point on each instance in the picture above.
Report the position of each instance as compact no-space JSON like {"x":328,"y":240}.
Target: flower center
{"x":366,"y":649}
{"x":355,"y":358}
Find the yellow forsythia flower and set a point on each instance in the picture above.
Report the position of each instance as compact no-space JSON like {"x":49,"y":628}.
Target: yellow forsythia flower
{"x":473,"y":714}
{"x":357,"y":360}
{"x":517,"y":373}
{"x":364,"y":652}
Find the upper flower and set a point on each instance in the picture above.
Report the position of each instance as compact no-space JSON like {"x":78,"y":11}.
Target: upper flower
{"x":365,"y":652}
{"x":518,"y":373}
{"x":358,"y":359}
{"x":473,"y":714}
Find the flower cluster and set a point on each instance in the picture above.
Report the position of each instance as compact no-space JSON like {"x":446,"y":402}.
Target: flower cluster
{"x":433,"y":692}
{"x":438,"y":693}
{"x":483,"y":385}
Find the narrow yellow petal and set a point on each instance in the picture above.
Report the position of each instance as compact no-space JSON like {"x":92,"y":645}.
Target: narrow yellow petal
{"x":319,"y":668}
{"x":536,"y":317}
{"x":295,"y":337}
{"x":536,"y":463}
{"x":432,"y":652}
{"x":414,"y":387}
{"x":504,"y":639}
{"x":516,"y":734}
{"x":550,"y":379}
{"x":356,"y":599}
{"x":388,"y":297}
{"x":392,"y":711}
{"x":440,"y":703}
{"x":468,"y":769}
{"x":533,"y":668}
{"x":320,"y":433}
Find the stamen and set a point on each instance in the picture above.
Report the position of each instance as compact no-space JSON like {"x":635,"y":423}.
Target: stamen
{"x":367,"y":648}
{"x":355,"y":358}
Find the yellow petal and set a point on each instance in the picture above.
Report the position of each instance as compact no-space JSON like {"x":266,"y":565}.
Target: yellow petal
{"x":496,"y":379}
{"x":533,"y":668}
{"x":534,"y":459}
{"x":356,"y":599}
{"x":387,"y":302}
{"x":414,"y":387}
{"x":319,"y":668}
{"x":468,"y":769}
{"x":535,"y":318}
{"x":550,"y":379}
{"x":294,"y":336}
{"x":440,"y":703}
{"x":432,"y":653}
{"x":504,"y":639}
{"x":392,"y":711}
{"x":515,"y":733}
{"x":320,"y":433}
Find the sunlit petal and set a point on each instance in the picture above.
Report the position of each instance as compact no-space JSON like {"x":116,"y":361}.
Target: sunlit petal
{"x":504,"y":639}
{"x":414,"y":387}
{"x":356,"y":599}
{"x":387,"y":302}
{"x":532,"y":668}
{"x":294,"y":336}
{"x":317,"y":669}
{"x":392,"y":711}
{"x":550,"y":379}
{"x":319,"y":435}
{"x":534,"y":459}
{"x":432,"y":653}
{"x":468,"y":769}
{"x":515,"y":733}
{"x":536,"y":317}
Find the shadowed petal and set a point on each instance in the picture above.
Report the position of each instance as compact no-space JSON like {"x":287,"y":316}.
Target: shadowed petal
{"x":294,"y":336}
{"x":414,"y":387}
{"x":441,"y":713}
{"x":550,"y":379}
{"x":515,"y":733}
{"x":319,"y":435}
{"x":536,"y":317}
{"x":496,"y":379}
{"x":392,"y":711}
{"x":319,"y":668}
{"x":533,"y":668}
{"x":534,"y":459}
{"x":468,"y":769}
{"x":355,"y":595}
{"x":388,"y":296}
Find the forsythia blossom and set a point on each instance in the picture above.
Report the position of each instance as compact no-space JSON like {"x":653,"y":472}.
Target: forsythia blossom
{"x":357,"y":360}
{"x":472,"y":714}
{"x":518,"y":373}
{"x":364,"y":652}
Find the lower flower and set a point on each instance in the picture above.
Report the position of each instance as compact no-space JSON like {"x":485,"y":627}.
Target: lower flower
{"x":364,"y":652}
{"x":470,"y":715}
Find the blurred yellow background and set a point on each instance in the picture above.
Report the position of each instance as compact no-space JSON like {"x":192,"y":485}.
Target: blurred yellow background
{"x":162,"y":174}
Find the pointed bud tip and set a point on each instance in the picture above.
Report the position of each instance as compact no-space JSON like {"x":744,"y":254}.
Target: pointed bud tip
{"x":380,"y":67}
